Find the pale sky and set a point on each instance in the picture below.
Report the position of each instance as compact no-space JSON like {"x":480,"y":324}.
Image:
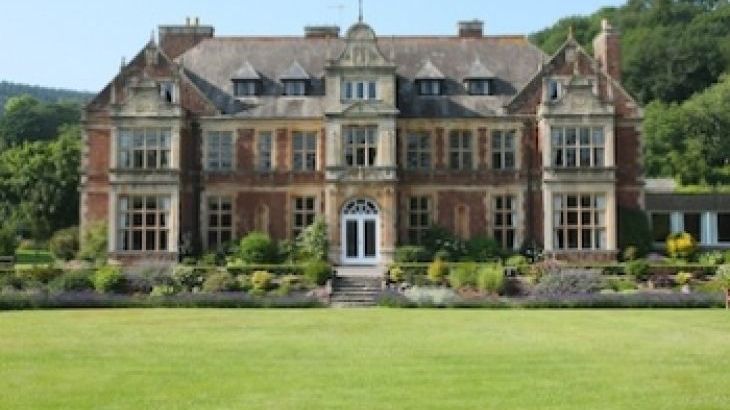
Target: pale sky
{"x":78,"y":44}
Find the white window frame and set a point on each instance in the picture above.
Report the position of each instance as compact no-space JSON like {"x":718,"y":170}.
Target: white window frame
{"x":419,"y":153}
{"x":568,"y":144}
{"x":144,"y":148}
{"x":245,"y":88}
{"x":219,"y":150}
{"x":304,"y":212}
{"x":219,"y":221}
{"x":479,"y":86}
{"x":359,"y":90}
{"x":504,"y":222}
{"x":295,"y":88}
{"x":144,"y":215}
{"x":596,"y":223}
{"x":504,"y":148}
{"x":304,"y":156}
{"x":265,"y":151}
{"x":430,"y":87}
{"x":360,"y":140}
{"x":419,"y":207}
{"x":464,"y":151}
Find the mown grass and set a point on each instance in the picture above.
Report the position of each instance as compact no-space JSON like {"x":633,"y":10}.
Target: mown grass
{"x":365,"y":359}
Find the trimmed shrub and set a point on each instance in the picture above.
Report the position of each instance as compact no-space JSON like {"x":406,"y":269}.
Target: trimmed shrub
{"x":568,"y":283}
{"x":317,"y":272}
{"x":73,"y":281}
{"x":220,"y":282}
{"x":189,"y":278}
{"x":712,"y":258}
{"x":683,"y":278}
{"x":64,"y":244}
{"x":518,"y":261}
{"x":411,"y":254}
{"x":38,"y":273}
{"x":490,"y":279}
{"x":443,"y":244}
{"x":621,"y":284}
{"x":437,"y":271}
{"x":483,"y":249}
{"x":397,"y":274}
{"x":257,"y":247}
{"x":312,"y":242}
{"x":639,"y":269}
{"x":634,"y":231}
{"x":109,"y":279}
{"x":94,"y":243}
{"x":463,"y":276}
{"x":681,"y":245}
{"x":261,"y":281}
{"x":8,"y":240}
{"x":630,"y":253}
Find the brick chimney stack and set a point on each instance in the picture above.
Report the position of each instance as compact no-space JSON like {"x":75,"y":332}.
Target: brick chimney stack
{"x":471,"y":29}
{"x":607,"y":50}
{"x":177,"y":39}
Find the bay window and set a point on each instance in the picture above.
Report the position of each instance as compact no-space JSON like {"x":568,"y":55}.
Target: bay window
{"x":143,"y":223}
{"x":361,"y":146}
{"x":144,"y":148}
{"x":579,"y":221}
{"x":574,"y":147}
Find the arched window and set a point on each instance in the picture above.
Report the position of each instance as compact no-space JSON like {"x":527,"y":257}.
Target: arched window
{"x":360,"y":207}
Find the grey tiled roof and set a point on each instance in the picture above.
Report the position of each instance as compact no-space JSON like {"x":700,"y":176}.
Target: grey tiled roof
{"x":213,"y":63}
{"x":477,"y":70}
{"x":429,"y":72}
{"x":246,"y":72}
{"x":294,"y":72}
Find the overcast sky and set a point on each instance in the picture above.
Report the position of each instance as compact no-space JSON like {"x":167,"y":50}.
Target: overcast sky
{"x":78,"y":44}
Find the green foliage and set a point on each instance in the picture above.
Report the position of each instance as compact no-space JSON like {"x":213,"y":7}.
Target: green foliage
{"x":638,"y":268}
{"x":39,"y":184}
{"x":257,"y":247}
{"x":634,"y":231}
{"x":568,"y":283}
{"x":220,"y":281}
{"x":396,"y":274}
{"x":8,"y":240}
{"x":723,"y":276}
{"x":109,"y":279}
{"x":463,"y":276}
{"x":312,"y":243}
{"x":437,"y":271}
{"x":317,"y":272}
{"x":73,"y":281}
{"x":681,"y":245}
{"x":64,"y":243}
{"x":621,"y":284}
{"x":261,"y":281}
{"x":712,"y":258}
{"x":443,"y":244}
{"x":38,"y":273}
{"x":684,"y":278}
{"x":482,"y":249}
{"x":490,"y":279}
{"x":45,"y":94}
{"x":94,"y":243}
{"x":411,"y":254}
{"x":516,"y":261}
{"x":26,"y":119}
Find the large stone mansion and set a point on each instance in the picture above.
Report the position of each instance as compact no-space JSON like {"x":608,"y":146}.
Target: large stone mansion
{"x":200,"y":139}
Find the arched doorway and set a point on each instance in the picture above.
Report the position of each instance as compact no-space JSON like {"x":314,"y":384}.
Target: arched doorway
{"x":360,"y":234}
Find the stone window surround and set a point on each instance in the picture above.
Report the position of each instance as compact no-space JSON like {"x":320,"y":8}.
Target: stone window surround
{"x":592,"y":146}
{"x":304,"y":150}
{"x":503,"y":150}
{"x":579,"y":120}
{"x":596,"y":231}
{"x":303,"y":193}
{"x":257,"y":154}
{"x":203,"y":214}
{"x":130,"y":123}
{"x":607,"y":189}
{"x":171,"y":191}
{"x":367,"y":81}
{"x":518,"y":200}
{"x":234,"y":147}
{"x":419,"y":150}
{"x":419,"y":229}
{"x":471,"y":153}
{"x":219,"y":229}
{"x":206,"y":152}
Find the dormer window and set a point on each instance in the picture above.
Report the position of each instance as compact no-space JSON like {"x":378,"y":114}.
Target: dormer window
{"x":479,"y":80}
{"x":429,"y":87}
{"x":429,"y":79}
{"x":245,"y":88}
{"x":295,"y":87}
{"x":480,"y":86}
{"x":167,"y":91}
{"x":554,"y":89}
{"x":246,"y":81}
{"x":359,"y":90}
{"x":295,"y":80}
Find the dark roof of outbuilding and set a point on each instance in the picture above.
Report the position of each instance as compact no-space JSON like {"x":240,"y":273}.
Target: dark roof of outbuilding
{"x":512,"y":60}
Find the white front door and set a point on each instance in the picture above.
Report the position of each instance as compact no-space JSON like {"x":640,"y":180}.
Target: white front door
{"x":360,"y":233}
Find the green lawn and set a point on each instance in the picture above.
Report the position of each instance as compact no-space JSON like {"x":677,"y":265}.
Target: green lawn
{"x":365,"y":359}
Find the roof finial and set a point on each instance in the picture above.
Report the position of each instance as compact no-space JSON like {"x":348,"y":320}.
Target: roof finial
{"x":570,"y":32}
{"x":359,"y":18}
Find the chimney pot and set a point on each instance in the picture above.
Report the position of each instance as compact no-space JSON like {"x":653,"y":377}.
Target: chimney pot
{"x":471,"y":28}
{"x":321,"y":31}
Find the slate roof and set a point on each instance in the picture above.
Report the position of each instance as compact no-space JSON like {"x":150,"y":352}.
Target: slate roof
{"x":213,"y":63}
{"x":478,"y":71}
{"x":294,"y":72}
{"x":246,"y":72}
{"x":429,"y":72}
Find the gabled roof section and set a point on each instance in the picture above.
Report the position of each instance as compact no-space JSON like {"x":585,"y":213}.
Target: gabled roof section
{"x":558,"y":64}
{"x":294,"y":72}
{"x":478,"y":71}
{"x":429,"y":72}
{"x":246,"y":72}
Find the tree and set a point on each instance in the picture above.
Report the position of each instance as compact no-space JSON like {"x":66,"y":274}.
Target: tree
{"x":26,"y":119}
